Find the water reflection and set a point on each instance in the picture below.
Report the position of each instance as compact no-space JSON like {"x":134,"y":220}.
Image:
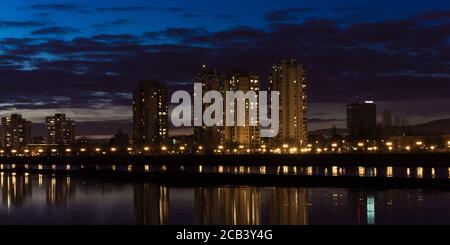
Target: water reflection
{"x":228,"y":206}
{"x":49,"y":199}
{"x":151,"y":204}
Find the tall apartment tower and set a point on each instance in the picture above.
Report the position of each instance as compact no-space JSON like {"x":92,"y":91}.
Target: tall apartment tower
{"x":16,"y":132}
{"x":246,"y":136}
{"x":289,"y":78}
{"x":60,"y":130}
{"x":362,"y":120}
{"x":208,"y":137}
{"x":150,"y":115}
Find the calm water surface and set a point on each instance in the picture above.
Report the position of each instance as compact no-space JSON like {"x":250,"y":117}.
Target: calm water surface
{"x":41,"y":199}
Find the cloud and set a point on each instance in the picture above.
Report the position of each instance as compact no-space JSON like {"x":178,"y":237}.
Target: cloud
{"x":394,"y":61}
{"x":434,"y":15}
{"x":113,"y":23}
{"x":53,"y":30}
{"x":288,"y":14}
{"x":20,"y":24}
{"x":63,"y":7}
{"x":139,"y":8}
{"x":226,"y":16}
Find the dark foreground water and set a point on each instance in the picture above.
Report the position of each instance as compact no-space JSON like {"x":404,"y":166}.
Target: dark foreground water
{"x":41,"y":199}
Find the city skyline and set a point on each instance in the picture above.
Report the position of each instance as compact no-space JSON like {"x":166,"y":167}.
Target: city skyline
{"x":88,"y":69}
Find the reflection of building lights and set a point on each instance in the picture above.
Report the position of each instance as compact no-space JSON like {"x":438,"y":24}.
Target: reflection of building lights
{"x":390,"y":172}
{"x":334,"y":171}
{"x":361,"y":171}
{"x":419,"y":172}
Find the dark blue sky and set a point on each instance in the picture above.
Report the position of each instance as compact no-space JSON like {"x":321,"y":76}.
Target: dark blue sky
{"x":85,"y":57}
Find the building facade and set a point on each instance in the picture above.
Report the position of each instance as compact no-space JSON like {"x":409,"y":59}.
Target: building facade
{"x":362,"y":120}
{"x":150,"y":115}
{"x":208,"y":138}
{"x":289,"y":78}
{"x":16,"y":132}
{"x":60,"y":130}
{"x":246,"y":137}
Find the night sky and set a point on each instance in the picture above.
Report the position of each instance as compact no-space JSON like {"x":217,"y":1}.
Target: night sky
{"x":85,"y":57}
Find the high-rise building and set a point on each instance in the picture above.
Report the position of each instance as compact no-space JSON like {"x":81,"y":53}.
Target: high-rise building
{"x":289,"y":78}
{"x":150,"y":115}
{"x":246,"y":137}
{"x":362,"y":120}
{"x":208,"y":137}
{"x":60,"y":130}
{"x":16,"y":132}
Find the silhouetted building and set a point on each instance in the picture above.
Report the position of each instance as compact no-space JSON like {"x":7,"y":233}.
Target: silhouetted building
{"x":60,"y":130}
{"x":120,"y":140}
{"x":362,"y":120}
{"x":208,"y":137}
{"x":150,"y":114}
{"x":289,"y":78}
{"x":246,"y":136}
{"x":16,"y":132}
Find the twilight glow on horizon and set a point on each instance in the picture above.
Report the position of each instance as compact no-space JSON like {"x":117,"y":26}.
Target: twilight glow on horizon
{"x":84,"y":58}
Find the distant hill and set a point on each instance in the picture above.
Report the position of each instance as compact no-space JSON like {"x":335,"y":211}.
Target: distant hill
{"x":430,"y":128}
{"x":327,"y":132}
{"x":437,"y":127}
